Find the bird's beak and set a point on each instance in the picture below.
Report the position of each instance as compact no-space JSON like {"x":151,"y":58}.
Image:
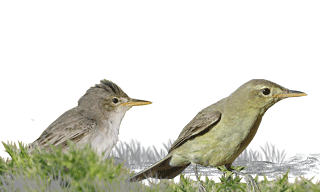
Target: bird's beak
{"x":290,"y":93}
{"x":137,"y":102}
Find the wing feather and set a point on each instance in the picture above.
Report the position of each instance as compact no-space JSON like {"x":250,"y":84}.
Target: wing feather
{"x":201,"y":123}
{"x":73,"y":125}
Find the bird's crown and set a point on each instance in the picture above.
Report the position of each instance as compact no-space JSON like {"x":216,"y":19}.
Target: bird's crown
{"x":111,"y":87}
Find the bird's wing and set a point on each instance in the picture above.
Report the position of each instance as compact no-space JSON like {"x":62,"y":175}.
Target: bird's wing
{"x":200,"y":124}
{"x":73,"y":125}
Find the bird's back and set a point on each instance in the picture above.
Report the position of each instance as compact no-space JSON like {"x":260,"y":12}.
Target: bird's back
{"x":74,"y":125}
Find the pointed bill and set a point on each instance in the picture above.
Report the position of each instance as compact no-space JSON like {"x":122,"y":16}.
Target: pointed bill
{"x":137,"y":102}
{"x":291,"y":93}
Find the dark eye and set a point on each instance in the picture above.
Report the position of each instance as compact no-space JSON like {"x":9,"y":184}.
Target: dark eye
{"x":266,"y":91}
{"x":115,"y":100}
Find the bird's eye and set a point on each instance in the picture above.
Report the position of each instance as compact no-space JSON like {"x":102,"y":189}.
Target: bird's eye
{"x":266,"y":91}
{"x":115,"y":100}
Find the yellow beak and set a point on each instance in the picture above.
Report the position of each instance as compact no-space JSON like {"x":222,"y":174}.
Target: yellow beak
{"x":291,"y":93}
{"x":137,"y":102}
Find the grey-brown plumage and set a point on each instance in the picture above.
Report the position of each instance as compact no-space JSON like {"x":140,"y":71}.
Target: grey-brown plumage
{"x":96,"y":119}
{"x":218,"y":134}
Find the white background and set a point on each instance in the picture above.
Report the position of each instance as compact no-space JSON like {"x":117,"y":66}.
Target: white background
{"x":181,"y":55}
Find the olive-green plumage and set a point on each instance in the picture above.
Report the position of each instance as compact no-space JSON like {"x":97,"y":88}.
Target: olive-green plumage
{"x":218,"y":134}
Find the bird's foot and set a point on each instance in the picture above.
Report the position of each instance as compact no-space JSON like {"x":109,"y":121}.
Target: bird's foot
{"x":250,"y":181}
{"x":201,"y":188}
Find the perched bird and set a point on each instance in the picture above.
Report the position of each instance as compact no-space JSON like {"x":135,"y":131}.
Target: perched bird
{"x":96,"y":120}
{"x":218,"y":134}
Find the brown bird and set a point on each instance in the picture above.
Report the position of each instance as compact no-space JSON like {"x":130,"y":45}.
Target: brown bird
{"x":218,"y":134}
{"x":96,"y":120}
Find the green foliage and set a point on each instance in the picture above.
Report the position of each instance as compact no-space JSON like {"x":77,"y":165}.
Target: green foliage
{"x":81,"y":165}
{"x":228,"y":181}
{"x":185,"y":184}
{"x":84,"y":170}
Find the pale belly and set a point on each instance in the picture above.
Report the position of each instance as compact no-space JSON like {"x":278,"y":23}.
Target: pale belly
{"x":103,"y":140}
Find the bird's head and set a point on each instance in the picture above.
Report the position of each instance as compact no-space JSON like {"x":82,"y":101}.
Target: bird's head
{"x":109,"y":97}
{"x":262,"y":94}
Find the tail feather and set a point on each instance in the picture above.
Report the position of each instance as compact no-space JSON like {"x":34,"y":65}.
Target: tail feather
{"x":160,"y":170}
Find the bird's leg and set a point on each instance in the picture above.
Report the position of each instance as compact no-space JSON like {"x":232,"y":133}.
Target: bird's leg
{"x":248,"y":178}
{"x":201,"y":187}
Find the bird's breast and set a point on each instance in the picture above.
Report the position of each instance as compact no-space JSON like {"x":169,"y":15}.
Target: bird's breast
{"x":106,"y":135}
{"x":233,"y":136}
{"x":223,"y":143}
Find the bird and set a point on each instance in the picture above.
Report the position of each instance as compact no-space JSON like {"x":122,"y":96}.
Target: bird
{"x":219,"y":133}
{"x":95,"y":121}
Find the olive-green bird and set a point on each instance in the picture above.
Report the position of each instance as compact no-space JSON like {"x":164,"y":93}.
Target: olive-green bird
{"x":218,"y":134}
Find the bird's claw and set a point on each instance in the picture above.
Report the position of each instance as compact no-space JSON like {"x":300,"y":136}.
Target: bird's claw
{"x":249,"y":179}
{"x":201,"y":188}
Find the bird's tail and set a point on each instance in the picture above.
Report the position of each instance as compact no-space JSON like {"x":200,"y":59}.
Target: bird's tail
{"x":160,"y":170}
